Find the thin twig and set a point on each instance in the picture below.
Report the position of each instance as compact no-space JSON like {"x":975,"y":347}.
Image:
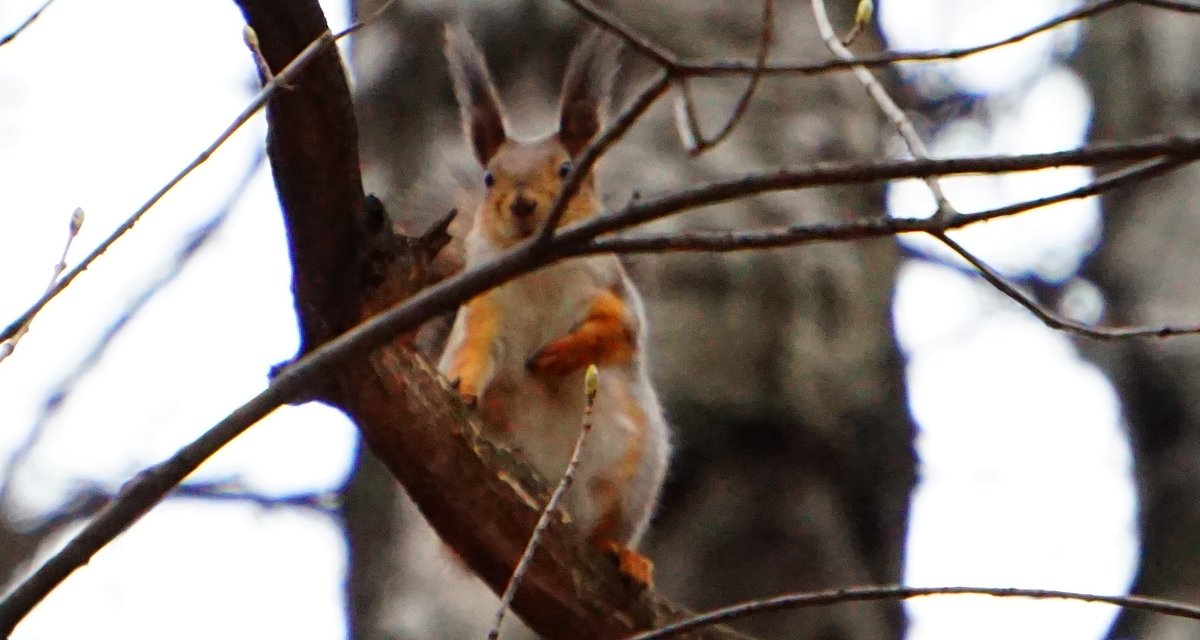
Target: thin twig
{"x":677,"y":67}
{"x":233,"y":491}
{"x":894,"y":113}
{"x":896,"y":592}
{"x":596,"y":148}
{"x":197,"y":238}
{"x":8,"y":346}
{"x":291,"y":71}
{"x":250,"y":37}
{"x":689,"y":124}
{"x":840,"y":173}
{"x":744,"y":67}
{"x":1051,"y":319}
{"x":799,"y":234}
{"x":24,"y":25}
{"x":591,"y":385}
{"x":609,"y":22}
{"x":275,"y":83}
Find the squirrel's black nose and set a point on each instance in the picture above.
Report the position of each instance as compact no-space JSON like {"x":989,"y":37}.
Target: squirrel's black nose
{"x":521,"y":207}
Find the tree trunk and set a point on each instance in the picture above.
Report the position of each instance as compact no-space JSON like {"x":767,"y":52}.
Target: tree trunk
{"x":793,"y":446}
{"x":1141,"y":67}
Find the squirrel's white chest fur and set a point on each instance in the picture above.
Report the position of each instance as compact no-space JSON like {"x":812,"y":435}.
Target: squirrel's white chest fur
{"x":625,"y":457}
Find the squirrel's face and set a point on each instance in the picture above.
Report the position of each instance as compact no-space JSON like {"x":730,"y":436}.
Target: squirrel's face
{"x":522,"y":180}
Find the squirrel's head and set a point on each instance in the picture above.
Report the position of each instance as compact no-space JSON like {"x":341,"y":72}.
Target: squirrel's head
{"x":523,"y":178}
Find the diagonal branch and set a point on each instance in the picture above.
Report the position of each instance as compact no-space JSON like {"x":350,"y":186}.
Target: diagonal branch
{"x":12,"y":35}
{"x":1051,"y":319}
{"x":281,"y":80}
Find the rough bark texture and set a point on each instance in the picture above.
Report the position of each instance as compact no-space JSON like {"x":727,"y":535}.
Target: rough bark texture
{"x":1141,"y":69}
{"x":794,"y":457}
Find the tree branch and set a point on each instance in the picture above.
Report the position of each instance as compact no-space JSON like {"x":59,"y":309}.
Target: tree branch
{"x":896,"y":592}
{"x":670,"y":62}
{"x":802,"y":234}
{"x":24,"y":25}
{"x":687,"y":120}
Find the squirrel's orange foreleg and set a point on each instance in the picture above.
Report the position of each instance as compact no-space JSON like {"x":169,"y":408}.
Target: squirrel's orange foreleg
{"x":603,"y":337}
{"x":471,"y":363}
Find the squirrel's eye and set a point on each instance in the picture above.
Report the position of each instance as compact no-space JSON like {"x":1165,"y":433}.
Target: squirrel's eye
{"x":564,"y":169}
{"x":488,"y":179}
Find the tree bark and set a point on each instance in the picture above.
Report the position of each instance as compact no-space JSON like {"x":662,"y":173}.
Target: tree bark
{"x":1141,"y":71}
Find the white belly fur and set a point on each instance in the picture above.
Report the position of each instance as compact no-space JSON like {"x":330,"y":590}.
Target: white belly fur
{"x":545,"y":416}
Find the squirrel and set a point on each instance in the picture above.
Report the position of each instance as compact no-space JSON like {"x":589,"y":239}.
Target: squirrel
{"x":519,"y":352}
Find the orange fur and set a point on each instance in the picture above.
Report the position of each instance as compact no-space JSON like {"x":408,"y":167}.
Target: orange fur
{"x":603,"y":337}
{"x":473,"y":358}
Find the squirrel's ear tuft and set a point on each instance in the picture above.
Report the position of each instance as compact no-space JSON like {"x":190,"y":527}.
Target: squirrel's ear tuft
{"x":478,"y":102}
{"x":587,"y":88}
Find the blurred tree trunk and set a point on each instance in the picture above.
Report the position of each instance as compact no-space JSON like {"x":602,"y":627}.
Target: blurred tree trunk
{"x":1141,"y":68}
{"x":794,"y":458}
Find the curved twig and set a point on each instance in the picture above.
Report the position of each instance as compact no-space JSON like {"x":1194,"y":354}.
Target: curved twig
{"x":896,"y":592}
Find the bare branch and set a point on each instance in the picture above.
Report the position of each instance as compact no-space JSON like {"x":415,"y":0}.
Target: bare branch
{"x":596,"y":148}
{"x":800,"y":234}
{"x":273,"y":84}
{"x":1051,"y":319}
{"x":225,"y":491}
{"x":695,"y":142}
{"x":609,"y":22}
{"x":261,"y":99}
{"x":591,"y":382}
{"x":889,"y":107}
{"x":895,"y":592}
{"x":1176,"y":149}
{"x":8,"y":346}
{"x":24,"y":25}
{"x":136,"y":497}
{"x":742,"y":67}
{"x":65,"y":385}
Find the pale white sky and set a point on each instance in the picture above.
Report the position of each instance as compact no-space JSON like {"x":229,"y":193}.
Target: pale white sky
{"x":105,"y":101}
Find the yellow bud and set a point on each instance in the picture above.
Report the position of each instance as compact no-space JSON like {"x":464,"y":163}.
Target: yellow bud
{"x":591,"y":382}
{"x":864,"y":12}
{"x":250,"y":37}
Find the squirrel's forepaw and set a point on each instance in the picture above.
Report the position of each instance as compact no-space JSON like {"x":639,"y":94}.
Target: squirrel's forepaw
{"x":555,"y":359}
{"x":468,"y":398}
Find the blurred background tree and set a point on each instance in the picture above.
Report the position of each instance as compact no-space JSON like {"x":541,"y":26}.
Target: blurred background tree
{"x":1139,"y":70}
